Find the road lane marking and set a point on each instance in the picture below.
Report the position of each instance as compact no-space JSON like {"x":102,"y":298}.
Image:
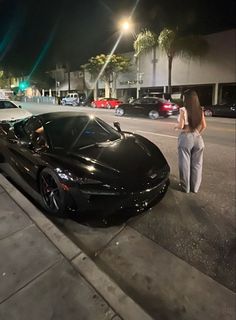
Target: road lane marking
{"x":158,"y":134}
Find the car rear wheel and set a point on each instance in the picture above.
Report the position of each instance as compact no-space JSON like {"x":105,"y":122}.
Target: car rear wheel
{"x":109,"y":106}
{"x":74,"y":103}
{"x":51,"y":190}
{"x":120,"y":112}
{"x":208,"y":113}
{"x":153,"y":114}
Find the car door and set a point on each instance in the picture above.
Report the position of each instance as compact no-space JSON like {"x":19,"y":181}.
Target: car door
{"x":137,"y":107}
{"x":24,"y":155}
{"x":75,"y":98}
{"x":233,"y":110}
{"x":151,"y":104}
{"x":230,"y":110}
{"x":222,"y":110}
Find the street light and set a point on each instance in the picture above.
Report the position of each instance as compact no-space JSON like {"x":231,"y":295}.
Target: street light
{"x":126,"y":25}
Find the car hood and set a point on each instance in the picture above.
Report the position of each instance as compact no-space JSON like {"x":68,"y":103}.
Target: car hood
{"x":13,"y":114}
{"x":131,"y":158}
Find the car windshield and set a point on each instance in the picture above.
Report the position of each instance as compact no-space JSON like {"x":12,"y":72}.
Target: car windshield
{"x":79,"y":132}
{"x":7,"y":105}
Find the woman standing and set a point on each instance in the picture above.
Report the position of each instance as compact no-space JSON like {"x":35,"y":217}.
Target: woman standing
{"x":190,"y":143}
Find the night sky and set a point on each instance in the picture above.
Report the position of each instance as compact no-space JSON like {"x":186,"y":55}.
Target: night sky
{"x":35,"y":35}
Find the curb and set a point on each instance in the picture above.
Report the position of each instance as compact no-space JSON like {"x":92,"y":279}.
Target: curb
{"x":122,"y":304}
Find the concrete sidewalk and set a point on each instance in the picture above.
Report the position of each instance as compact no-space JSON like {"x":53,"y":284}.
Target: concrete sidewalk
{"x":43,"y":275}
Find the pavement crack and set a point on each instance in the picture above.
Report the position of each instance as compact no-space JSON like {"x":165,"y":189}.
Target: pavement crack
{"x":100,"y":250}
{"x":32,"y":280}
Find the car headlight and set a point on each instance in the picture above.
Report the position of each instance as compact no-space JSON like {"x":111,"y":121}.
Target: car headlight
{"x":95,"y":187}
{"x":89,"y":181}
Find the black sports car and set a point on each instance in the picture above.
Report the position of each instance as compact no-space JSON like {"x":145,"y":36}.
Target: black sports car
{"x":221,"y":110}
{"x":78,"y":163}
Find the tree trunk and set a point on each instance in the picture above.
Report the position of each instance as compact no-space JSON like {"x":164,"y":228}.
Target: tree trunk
{"x":170,"y":59}
{"x":114,"y":91}
{"x":154,"y":70}
{"x":107,"y":89}
{"x":68,"y":75}
{"x":95,"y":91}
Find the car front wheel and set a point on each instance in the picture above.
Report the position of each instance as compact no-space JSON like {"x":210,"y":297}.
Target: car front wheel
{"x":120,"y":112}
{"x":208,"y":113}
{"x":153,"y":114}
{"x":52,"y":193}
{"x":63,"y":103}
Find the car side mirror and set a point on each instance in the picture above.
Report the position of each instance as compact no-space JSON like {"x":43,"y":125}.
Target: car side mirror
{"x":20,"y":106}
{"x":117,"y":126}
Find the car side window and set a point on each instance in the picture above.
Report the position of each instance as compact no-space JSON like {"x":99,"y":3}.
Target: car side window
{"x":145,"y":101}
{"x":31,"y":125}
{"x":7,"y":105}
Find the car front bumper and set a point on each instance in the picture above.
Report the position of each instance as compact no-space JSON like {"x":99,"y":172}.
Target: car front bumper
{"x":110,"y":204}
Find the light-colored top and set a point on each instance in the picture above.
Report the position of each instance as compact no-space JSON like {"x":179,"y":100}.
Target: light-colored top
{"x":184,"y":124}
{"x":185,"y":113}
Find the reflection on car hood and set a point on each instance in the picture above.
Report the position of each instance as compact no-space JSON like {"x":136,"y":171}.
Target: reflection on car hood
{"x":13,"y":114}
{"x":129,"y":156}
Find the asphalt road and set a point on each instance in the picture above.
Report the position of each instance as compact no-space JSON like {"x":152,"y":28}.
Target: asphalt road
{"x":198,"y":229}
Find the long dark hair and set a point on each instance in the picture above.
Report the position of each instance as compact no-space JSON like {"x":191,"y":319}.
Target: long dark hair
{"x":192,"y":104}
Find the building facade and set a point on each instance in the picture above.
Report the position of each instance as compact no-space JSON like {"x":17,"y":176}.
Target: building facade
{"x":213,"y":76}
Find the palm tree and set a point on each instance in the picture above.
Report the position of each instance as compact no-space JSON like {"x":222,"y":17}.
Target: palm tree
{"x":107,"y":67}
{"x":173,"y":44}
{"x":144,"y":42}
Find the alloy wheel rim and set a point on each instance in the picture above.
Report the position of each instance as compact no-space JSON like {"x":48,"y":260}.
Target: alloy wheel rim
{"x":50,"y":192}
{"x":120,"y":112}
{"x":208,"y":113}
{"x":154,"y":114}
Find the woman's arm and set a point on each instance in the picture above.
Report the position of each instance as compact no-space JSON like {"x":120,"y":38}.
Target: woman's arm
{"x":181,"y":120}
{"x":203,"y":124}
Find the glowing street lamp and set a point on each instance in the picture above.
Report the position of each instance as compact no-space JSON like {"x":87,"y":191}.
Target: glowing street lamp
{"x":125,"y":26}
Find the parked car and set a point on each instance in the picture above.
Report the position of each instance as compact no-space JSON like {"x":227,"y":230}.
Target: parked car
{"x":148,"y":106}
{"x":9,"y":111}
{"x":221,"y":110}
{"x":83,"y":164}
{"x":108,"y":103}
{"x":71,"y":99}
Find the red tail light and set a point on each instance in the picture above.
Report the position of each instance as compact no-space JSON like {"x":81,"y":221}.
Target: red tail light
{"x":167,"y":106}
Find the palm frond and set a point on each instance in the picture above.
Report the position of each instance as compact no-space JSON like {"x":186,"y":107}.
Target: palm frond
{"x":145,"y":41}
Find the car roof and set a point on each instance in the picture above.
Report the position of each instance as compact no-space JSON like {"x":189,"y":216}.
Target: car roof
{"x":8,"y":100}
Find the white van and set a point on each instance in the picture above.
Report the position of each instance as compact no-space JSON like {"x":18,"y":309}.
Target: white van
{"x":71,"y":99}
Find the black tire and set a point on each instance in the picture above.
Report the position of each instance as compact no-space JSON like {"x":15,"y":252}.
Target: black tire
{"x":2,"y":159}
{"x":119,"y":112}
{"x":153,"y":114}
{"x":52,"y":193}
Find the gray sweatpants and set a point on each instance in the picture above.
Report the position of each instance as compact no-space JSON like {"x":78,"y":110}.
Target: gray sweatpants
{"x":190,"y":151}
